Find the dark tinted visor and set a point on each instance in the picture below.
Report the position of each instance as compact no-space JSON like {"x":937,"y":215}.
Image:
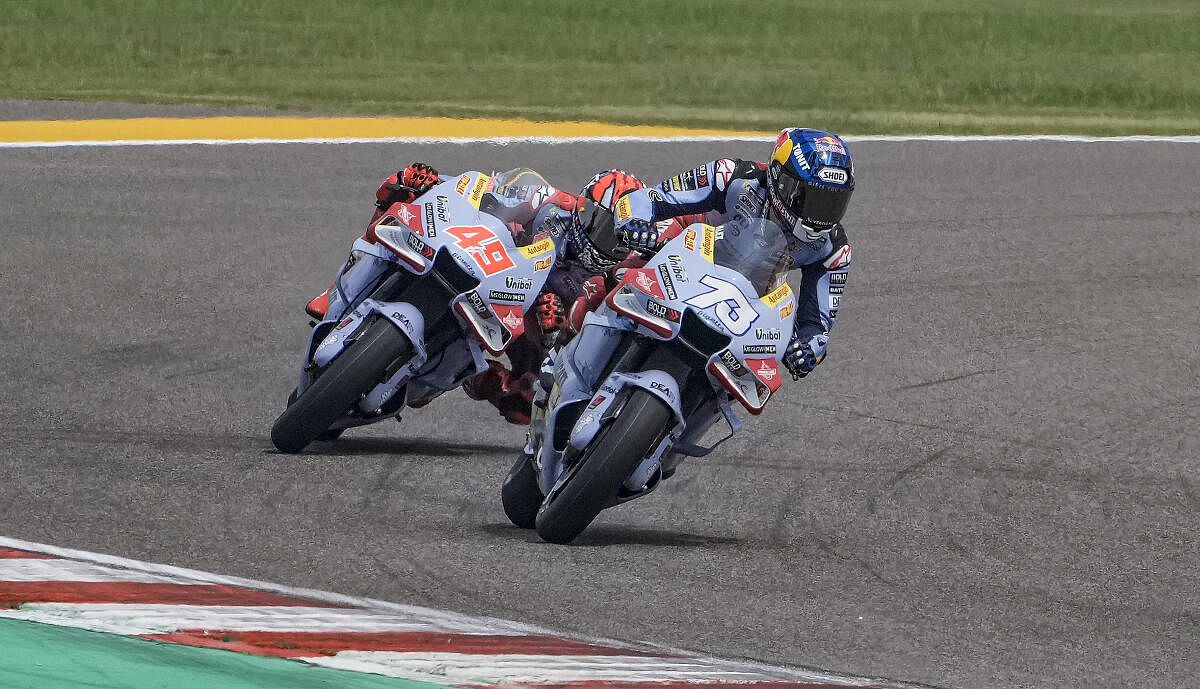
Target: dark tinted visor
{"x":600,"y":228}
{"x":816,"y":205}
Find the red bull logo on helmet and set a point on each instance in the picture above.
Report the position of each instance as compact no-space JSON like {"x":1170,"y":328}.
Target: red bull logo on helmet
{"x":830,"y":144}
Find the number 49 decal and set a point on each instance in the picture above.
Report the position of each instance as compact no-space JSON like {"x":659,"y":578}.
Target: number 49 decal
{"x":484,"y":246}
{"x":733,"y":309}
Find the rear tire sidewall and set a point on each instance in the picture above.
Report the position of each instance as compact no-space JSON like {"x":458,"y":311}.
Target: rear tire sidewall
{"x":611,"y":457}
{"x":521,"y":494}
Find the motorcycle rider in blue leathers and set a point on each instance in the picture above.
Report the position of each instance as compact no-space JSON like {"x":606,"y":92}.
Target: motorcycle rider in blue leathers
{"x":804,"y":188}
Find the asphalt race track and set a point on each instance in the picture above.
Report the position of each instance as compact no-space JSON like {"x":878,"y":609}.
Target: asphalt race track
{"x":993,"y":480}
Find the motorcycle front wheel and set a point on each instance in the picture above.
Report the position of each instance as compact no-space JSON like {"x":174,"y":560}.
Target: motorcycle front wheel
{"x":612,"y":456}
{"x":344,"y":382}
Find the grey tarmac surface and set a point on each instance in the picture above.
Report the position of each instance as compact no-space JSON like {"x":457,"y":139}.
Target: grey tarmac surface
{"x":993,"y":480}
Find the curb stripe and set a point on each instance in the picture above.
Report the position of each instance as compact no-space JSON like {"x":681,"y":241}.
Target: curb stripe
{"x":15,"y":594}
{"x":402,"y":642}
{"x":26,"y":569}
{"x":13,"y":554}
{"x":443,"y":619}
{"x":534,"y":670}
{"x":138,"y":619}
{"x":306,"y":644}
{"x":39,"y":656}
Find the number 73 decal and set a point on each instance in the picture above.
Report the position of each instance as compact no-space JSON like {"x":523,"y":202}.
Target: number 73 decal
{"x":733,"y":309}
{"x":484,"y":246}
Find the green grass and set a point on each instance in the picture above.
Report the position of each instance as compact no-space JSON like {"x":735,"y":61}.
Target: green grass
{"x":857,"y":66}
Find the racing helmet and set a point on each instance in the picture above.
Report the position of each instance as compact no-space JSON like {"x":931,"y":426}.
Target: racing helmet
{"x":809,"y":181}
{"x":593,"y":228}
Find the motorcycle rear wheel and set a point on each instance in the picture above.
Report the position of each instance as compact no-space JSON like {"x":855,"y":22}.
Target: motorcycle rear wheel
{"x":612,"y":456}
{"x":331,"y":395}
{"x":521,"y":494}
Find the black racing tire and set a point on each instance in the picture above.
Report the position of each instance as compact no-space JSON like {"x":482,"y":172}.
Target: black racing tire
{"x":352,"y":374}
{"x":521,"y":494}
{"x":612,"y":456}
{"x":326,"y":436}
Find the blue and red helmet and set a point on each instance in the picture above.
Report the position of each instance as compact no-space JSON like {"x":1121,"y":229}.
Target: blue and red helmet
{"x":809,"y":181}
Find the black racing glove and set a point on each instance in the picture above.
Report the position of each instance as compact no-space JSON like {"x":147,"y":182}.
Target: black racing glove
{"x":802,"y":356}
{"x":641,"y":235}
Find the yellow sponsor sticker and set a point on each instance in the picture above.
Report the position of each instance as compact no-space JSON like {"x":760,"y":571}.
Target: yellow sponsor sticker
{"x":624,"y":211}
{"x":537,"y":248}
{"x":706,"y":244}
{"x":787,"y":310}
{"x":481,"y":183}
{"x":689,"y":240}
{"x":461,"y":187}
{"x":776,"y":297}
{"x":544,"y":263}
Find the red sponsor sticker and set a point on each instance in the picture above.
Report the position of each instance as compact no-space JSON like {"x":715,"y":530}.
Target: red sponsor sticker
{"x":765,"y":370}
{"x":644,"y":280}
{"x":513,"y":317}
{"x":408,"y":214}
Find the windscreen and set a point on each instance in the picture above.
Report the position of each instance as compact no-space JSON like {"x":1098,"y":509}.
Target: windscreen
{"x":519,"y":177}
{"x":757,"y":249}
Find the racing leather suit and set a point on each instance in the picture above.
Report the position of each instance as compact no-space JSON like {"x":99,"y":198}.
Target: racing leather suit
{"x":733,"y":193}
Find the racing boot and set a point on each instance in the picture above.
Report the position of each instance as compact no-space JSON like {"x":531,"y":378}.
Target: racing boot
{"x":516,"y":400}
{"x":319,"y":306}
{"x":488,"y":384}
{"x":510,"y":394}
{"x":359,"y":275}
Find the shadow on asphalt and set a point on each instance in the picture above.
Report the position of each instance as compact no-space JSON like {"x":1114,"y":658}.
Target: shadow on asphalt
{"x":399,"y":446}
{"x":600,"y":536}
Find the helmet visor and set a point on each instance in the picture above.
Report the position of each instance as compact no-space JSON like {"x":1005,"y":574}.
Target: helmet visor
{"x":596,"y":224}
{"x":816,"y":205}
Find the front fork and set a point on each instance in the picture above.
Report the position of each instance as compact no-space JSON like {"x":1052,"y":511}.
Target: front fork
{"x":436,"y":365}
{"x":568,"y":415}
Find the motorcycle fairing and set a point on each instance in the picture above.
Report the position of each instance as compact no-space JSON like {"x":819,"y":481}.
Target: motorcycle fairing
{"x":445,"y":220}
{"x":510,"y":277}
{"x":651,"y":298}
{"x":658,"y":383}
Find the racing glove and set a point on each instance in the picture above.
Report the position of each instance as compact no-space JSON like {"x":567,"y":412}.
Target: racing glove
{"x":633,"y":222}
{"x":551,"y":315}
{"x":406,"y":185}
{"x":802,"y":356}
{"x":640,"y":234}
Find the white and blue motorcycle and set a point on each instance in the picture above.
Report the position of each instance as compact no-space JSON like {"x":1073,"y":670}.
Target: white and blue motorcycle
{"x":444,"y":282}
{"x":704,"y":323}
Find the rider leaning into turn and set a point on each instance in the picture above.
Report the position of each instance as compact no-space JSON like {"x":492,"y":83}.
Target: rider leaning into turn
{"x":589,"y":252}
{"x":805,"y":188}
